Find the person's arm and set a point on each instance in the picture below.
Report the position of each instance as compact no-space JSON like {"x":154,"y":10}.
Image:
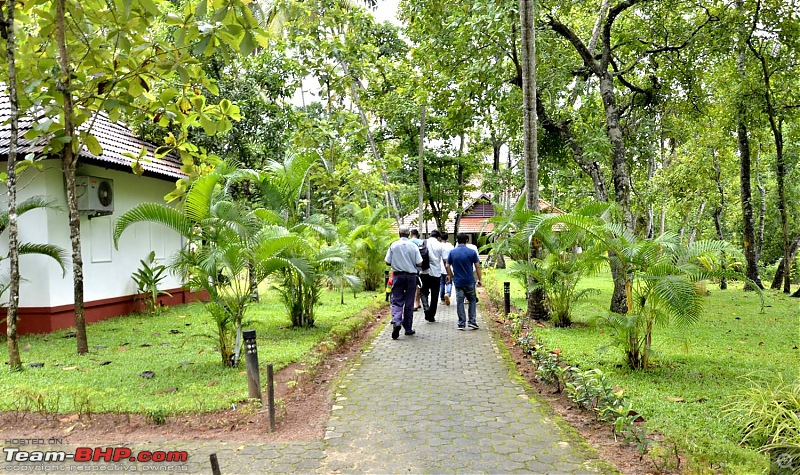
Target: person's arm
{"x":478,"y":272}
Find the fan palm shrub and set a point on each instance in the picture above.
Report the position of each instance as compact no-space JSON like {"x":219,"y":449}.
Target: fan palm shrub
{"x":54,"y":252}
{"x":281,"y":188}
{"x":661,"y":277}
{"x":561,"y":266}
{"x":367,"y":232}
{"x":227,"y":245}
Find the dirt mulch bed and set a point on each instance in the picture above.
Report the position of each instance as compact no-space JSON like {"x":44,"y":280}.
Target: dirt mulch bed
{"x":302,"y":414}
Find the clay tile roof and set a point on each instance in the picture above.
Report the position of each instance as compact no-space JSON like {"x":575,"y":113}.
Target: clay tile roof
{"x":115,"y":139}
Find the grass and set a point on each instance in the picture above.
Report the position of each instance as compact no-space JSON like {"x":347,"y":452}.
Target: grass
{"x":177,"y":346}
{"x":697,"y":371}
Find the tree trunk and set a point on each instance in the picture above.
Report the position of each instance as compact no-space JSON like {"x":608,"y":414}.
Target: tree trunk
{"x":723,"y":283}
{"x":459,"y":187}
{"x":693,"y":232}
{"x":748,"y":231}
{"x":496,"y":146}
{"x":537,"y":300}
{"x":390,"y":198}
{"x":762,"y":193}
{"x":12,"y":338}
{"x":619,"y":169}
{"x":421,"y":168}
{"x":598,"y":65}
{"x":776,"y":126}
{"x":69,"y":159}
{"x":783,"y":269}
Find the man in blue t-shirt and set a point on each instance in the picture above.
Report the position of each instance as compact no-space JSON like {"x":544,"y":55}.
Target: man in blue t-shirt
{"x":461,"y":260}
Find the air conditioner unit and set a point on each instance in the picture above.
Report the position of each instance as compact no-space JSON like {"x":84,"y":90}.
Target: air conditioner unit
{"x":95,"y":195}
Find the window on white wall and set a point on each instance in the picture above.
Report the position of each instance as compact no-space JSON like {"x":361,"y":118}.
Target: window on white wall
{"x":101,"y":241}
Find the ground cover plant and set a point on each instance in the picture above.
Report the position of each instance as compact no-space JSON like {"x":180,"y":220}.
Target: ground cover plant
{"x":697,"y":372}
{"x":164,"y":364}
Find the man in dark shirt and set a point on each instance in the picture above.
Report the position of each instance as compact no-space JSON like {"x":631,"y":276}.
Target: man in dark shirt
{"x":461,"y":260}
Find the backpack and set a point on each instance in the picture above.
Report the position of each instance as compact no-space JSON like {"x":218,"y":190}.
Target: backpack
{"x":423,"y":251}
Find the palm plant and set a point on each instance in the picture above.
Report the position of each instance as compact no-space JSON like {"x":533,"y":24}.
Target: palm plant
{"x":561,"y":267}
{"x":661,"y":276}
{"x":226,"y":244}
{"x":281,"y":186}
{"x":368,"y":234}
{"x":56,"y":253}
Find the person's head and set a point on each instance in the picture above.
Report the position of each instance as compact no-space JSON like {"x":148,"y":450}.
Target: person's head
{"x":462,"y":238}
{"x":403,"y":231}
{"x":415,"y":233}
{"x":445,"y":235}
{"x":436,"y":234}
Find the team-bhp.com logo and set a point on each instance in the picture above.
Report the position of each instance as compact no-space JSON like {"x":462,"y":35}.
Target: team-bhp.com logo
{"x":92,"y":454}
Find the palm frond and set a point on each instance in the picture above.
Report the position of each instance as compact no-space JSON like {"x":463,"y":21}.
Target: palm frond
{"x":153,"y":212}
{"x":57,"y":253}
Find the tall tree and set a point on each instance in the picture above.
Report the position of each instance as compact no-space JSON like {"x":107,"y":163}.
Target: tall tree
{"x":769,"y":48}
{"x":110,"y":55}
{"x":537,"y":299}
{"x":8,"y":31}
{"x":745,"y":173}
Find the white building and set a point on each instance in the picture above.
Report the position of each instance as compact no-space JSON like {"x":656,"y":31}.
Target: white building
{"x":108,"y":189}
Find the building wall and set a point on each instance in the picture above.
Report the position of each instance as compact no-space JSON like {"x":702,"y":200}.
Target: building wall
{"x":107,"y":270}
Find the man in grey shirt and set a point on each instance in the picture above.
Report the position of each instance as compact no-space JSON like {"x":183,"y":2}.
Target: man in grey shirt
{"x":404,"y":258}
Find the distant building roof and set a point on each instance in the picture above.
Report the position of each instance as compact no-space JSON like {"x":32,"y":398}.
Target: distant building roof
{"x":478,"y":210}
{"x":115,"y":138}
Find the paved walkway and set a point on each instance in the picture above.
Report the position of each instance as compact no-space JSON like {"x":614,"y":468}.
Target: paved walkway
{"x":441,"y":401}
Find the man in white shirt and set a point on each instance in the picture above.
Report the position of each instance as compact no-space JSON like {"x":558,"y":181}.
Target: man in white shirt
{"x":429,"y":295}
{"x":445,"y":286}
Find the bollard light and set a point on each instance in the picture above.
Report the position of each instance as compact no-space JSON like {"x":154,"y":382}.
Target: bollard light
{"x":251,"y":361}
{"x":507,"y":297}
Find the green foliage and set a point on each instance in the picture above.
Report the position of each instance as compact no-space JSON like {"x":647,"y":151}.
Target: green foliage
{"x":367,"y":233}
{"x":148,"y":277}
{"x":226,"y":245}
{"x":768,"y":415}
{"x":179,"y":346}
{"x":693,"y":374}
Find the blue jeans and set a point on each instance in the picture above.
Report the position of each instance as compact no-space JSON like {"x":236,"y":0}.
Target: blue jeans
{"x":469,"y":294}
{"x":444,"y":288}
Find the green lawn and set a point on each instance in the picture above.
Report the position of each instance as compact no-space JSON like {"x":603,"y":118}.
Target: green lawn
{"x":697,"y":370}
{"x":177,"y":346}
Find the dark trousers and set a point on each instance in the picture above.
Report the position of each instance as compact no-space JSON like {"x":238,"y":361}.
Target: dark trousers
{"x":430,"y":295}
{"x":404,"y":288}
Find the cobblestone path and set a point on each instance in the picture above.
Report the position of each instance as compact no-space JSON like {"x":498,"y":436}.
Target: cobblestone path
{"x":440,"y":401}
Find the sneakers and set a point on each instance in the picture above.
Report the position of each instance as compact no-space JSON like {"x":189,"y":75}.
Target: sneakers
{"x":395,"y":332}
{"x":473,"y":326}
{"x":411,"y":332}
{"x":447,"y":300}
{"x":461,"y":328}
